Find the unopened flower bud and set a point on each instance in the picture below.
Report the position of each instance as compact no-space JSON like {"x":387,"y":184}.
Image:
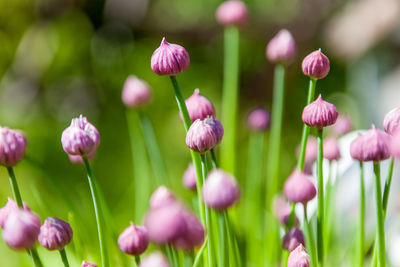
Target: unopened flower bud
{"x":55,"y":234}
{"x":343,"y":125}
{"x":199,"y":107}
{"x":258,"y":119}
{"x":316,"y":65}
{"x":320,"y":113}
{"x":194,"y":234}
{"x":189,"y":177}
{"x":293,"y":238}
{"x":162,"y":197}
{"x":331,"y":149}
{"x":298,"y":188}
{"x":8,"y":208}
{"x":12,"y":146}
{"x":135,"y":92}
{"x":155,"y":259}
{"x":299,"y":257}
{"x":232,"y":12}
{"x":204,"y":135}
{"x":134,"y":240}
{"x":281,"y":48}
{"x":391,"y":121}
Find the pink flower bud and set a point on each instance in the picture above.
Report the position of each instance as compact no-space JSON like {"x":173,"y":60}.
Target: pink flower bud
{"x":12,"y":146}
{"x":194,"y":234}
{"x":162,"y":197}
{"x":331,"y":149}
{"x":316,"y":65}
{"x":135,"y":92}
{"x":220,"y":190}
{"x":155,"y":259}
{"x":55,"y":234}
{"x":204,"y":135}
{"x":165,"y":224}
{"x":21,"y":229}
{"x":88,"y":264}
{"x":395,"y":144}
{"x":169,"y":59}
{"x":80,"y":138}
{"x":8,"y":208}
{"x":374,"y":145}
{"x":189,"y":177}
{"x":343,"y":125}
{"x":320,"y":113}
{"x":77,"y":159}
{"x":281,"y":48}
{"x":258,"y":119}
{"x":299,"y":257}
{"x":293,"y":239}
{"x":232,"y":12}
{"x":134,"y":240}
{"x":282,"y":210}
{"x":199,"y":107}
{"x":391,"y":121}
{"x":298,"y":188}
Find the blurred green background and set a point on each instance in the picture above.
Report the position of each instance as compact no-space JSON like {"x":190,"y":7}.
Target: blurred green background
{"x":62,"y":58}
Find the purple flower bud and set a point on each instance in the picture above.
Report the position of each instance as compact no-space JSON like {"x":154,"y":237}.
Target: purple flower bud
{"x":232,"y":12}
{"x":134,"y":240}
{"x":162,"y":197}
{"x":320,"y":113}
{"x":374,"y":145}
{"x":12,"y":146}
{"x":343,"y":125}
{"x":298,"y":188}
{"x":165,"y":224}
{"x":282,"y":210}
{"x":331,"y":149}
{"x":199,"y":107}
{"x":299,"y":257}
{"x":220,"y":190}
{"x":395,"y":144}
{"x":189,"y":177}
{"x":77,"y":159}
{"x":204,"y":135}
{"x":194,"y":234}
{"x":8,"y":208}
{"x":316,"y":65}
{"x":155,"y":259}
{"x":293,"y":239}
{"x":80,"y":138}
{"x":21,"y":229}
{"x":135,"y":92}
{"x":169,"y":59}
{"x":55,"y":234}
{"x":258,"y":119}
{"x":391,"y":121}
{"x":88,"y":264}
{"x":281,"y":48}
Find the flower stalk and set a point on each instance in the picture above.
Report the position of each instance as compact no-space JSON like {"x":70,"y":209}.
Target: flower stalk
{"x":379,"y":217}
{"x":64,"y":258}
{"x":362,"y":217}
{"x":309,"y":238}
{"x":320,"y":215}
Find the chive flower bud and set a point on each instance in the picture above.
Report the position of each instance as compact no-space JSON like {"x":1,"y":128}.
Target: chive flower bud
{"x":189,"y":177}
{"x":281,"y":48}
{"x":134,"y":240}
{"x":77,"y":159}
{"x":316,"y":65}
{"x":135,"y":92}
{"x":88,"y":264}
{"x":55,"y":234}
{"x":220,"y":190}
{"x":162,"y":197}
{"x":319,"y":113}
{"x":194,"y":234}
{"x":154,"y":259}
{"x":258,"y":119}
{"x":21,"y":229}
{"x":299,"y":257}
{"x":391,"y":121}
{"x":292,"y":239}
{"x":80,"y":138}
{"x":199,"y":107}
{"x":374,"y":145}
{"x":232,"y":12}
{"x":7,"y":209}
{"x":169,"y":59}
{"x":204,"y":135}
{"x":331,"y":149}
{"x":395,"y":145}
{"x":298,"y":188}
{"x":12,"y":146}
{"x":343,"y":125}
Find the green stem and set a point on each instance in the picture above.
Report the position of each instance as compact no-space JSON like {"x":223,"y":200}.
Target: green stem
{"x":328,"y":210}
{"x":233,"y":245}
{"x":320,"y":215}
{"x":362,"y":216}
{"x":230,"y":93}
{"x":285,"y":256}
{"x":222,"y":249}
{"x":195,"y":156}
{"x":306,"y":128}
{"x":379,"y":216}
{"x":64,"y":258}
{"x":213,"y":159}
{"x":98,"y":212}
{"x":309,"y":239}
{"x":210,"y":249}
{"x":137,"y":260}
{"x":35,"y":258}
{"x":200,"y":253}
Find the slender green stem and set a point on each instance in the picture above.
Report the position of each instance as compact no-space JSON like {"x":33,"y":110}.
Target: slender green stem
{"x":309,"y":239}
{"x":379,"y":216}
{"x":230,"y":93}
{"x":64,"y":258}
{"x":195,"y":156}
{"x":35,"y":258}
{"x":174,"y":256}
{"x":320,"y":215}
{"x":328,"y":210}
{"x":232,"y":241}
{"x":362,"y":216}
{"x":285,"y":256}
{"x":222,"y":257}
{"x":210,"y":248}
{"x":306,"y":128}
{"x":168,"y":250}
{"x":98,"y":212}
{"x":200,"y":253}
{"x":137,"y":260}
{"x":213,"y":159}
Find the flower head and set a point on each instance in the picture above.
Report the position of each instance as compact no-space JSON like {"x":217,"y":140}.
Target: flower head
{"x":169,"y":59}
{"x":232,"y":12}
{"x":134,"y":240}
{"x":155,"y":259}
{"x":331,"y":149}
{"x":12,"y":146}
{"x":281,"y":48}
{"x":316,"y":65}
{"x":395,"y":144}
{"x":320,"y":113}
{"x":8,"y":208}
{"x":299,"y":257}
{"x":343,"y":125}
{"x":189,"y":177}
{"x":162,"y":197}
{"x":194,"y":234}
{"x":204,"y":135}
{"x":199,"y":107}
{"x":391,"y":121}
{"x":80,"y":138}
{"x":298,"y":188}
{"x":135,"y":92}
{"x":258,"y":119}
{"x":293,"y":238}
{"x":55,"y":234}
